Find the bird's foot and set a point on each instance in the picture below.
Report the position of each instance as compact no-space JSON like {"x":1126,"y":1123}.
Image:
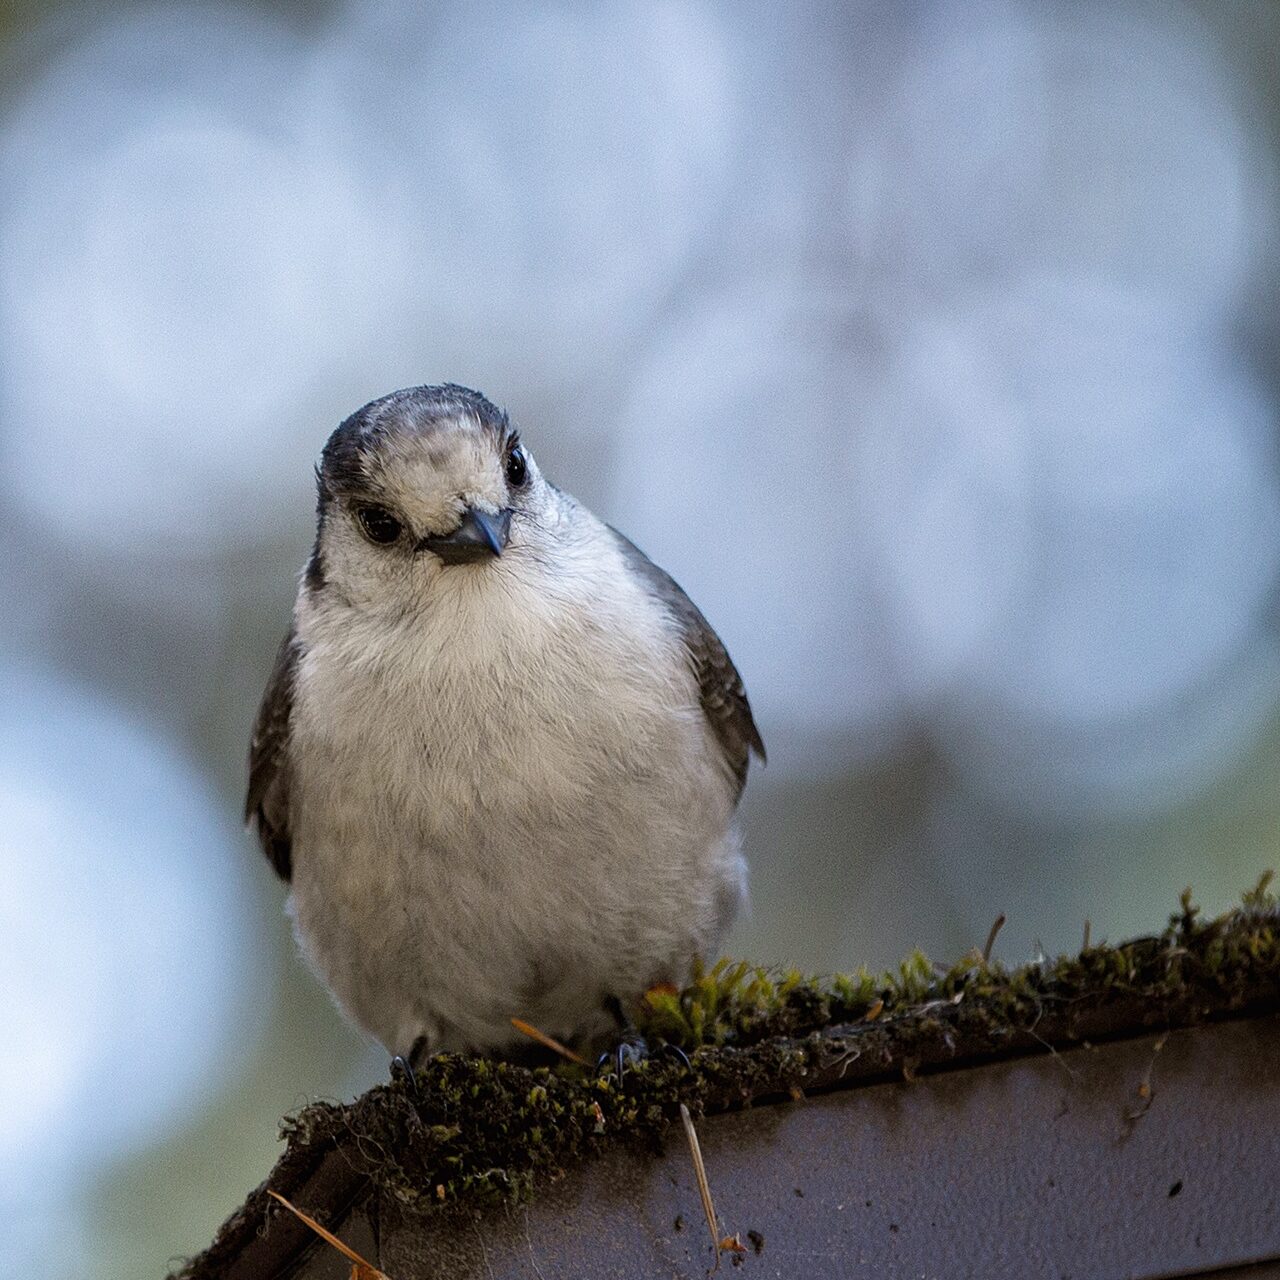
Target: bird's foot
{"x":631,"y":1050}
{"x":402,"y":1072}
{"x":402,"y":1066}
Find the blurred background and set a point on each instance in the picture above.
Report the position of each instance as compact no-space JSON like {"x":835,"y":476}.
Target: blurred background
{"x":930,"y":346}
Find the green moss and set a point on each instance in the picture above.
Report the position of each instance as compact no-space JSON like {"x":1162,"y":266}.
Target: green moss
{"x":485,"y":1129}
{"x":478,"y":1130}
{"x":737,"y":1004}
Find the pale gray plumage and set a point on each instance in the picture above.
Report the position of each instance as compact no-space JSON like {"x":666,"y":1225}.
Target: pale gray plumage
{"x":499,"y":784}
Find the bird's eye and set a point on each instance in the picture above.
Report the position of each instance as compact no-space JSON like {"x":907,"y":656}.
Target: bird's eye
{"x":379,"y":524}
{"x":517,"y":468}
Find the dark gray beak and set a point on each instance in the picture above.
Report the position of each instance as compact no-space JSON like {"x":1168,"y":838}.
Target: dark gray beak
{"x":478,"y":537}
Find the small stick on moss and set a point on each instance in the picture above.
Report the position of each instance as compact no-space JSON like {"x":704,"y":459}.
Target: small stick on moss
{"x":996,"y":926}
{"x":360,"y":1269}
{"x":704,"y":1186}
{"x":527,"y":1029}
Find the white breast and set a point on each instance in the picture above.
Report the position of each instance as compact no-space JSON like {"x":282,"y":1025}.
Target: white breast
{"x":507,"y":804}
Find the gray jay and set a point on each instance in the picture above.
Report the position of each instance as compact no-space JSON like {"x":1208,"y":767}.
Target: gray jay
{"x":498,"y":758}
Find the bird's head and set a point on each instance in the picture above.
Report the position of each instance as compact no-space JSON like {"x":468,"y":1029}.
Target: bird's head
{"x":424,"y":481}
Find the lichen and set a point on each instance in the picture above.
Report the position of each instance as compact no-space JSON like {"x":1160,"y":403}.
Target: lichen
{"x":475,"y":1131}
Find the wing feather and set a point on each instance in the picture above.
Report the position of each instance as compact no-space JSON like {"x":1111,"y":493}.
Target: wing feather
{"x":266,"y":805}
{"x":724,"y":700}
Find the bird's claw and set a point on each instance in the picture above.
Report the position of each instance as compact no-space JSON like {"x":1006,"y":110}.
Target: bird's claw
{"x":679,"y":1052}
{"x":631,"y":1050}
{"x":402,"y":1066}
{"x":402,"y":1070}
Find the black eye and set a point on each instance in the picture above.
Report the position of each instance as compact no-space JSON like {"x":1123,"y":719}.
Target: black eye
{"x":379,"y":524}
{"x":517,"y":468}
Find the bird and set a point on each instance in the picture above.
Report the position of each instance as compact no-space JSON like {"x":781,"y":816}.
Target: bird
{"x":500,"y":752}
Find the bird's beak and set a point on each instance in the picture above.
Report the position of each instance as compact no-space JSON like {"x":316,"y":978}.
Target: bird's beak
{"x":479,"y":536}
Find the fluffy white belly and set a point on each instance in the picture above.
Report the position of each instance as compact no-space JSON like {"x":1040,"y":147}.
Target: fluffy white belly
{"x":516,"y":817}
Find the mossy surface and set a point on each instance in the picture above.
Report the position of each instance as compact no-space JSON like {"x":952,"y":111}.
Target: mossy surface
{"x":477,"y":1131}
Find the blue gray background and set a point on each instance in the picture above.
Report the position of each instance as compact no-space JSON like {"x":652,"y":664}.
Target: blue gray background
{"x":931,"y":346}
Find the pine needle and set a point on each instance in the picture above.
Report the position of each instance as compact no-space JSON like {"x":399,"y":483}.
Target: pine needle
{"x":527,"y":1029}
{"x":704,"y":1186}
{"x":360,"y":1269}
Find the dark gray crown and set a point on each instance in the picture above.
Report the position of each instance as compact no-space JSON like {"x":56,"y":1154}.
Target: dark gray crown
{"x":414,"y":411}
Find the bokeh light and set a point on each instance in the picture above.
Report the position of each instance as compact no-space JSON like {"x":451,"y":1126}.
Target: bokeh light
{"x":930,"y":346}
{"x":124,"y":940}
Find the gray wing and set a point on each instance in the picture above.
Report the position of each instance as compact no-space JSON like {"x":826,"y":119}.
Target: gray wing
{"x":267,"y":804}
{"x":724,"y":700}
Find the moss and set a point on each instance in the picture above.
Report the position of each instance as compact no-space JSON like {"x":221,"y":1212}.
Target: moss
{"x":477,"y":1131}
{"x":1218,"y":961}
